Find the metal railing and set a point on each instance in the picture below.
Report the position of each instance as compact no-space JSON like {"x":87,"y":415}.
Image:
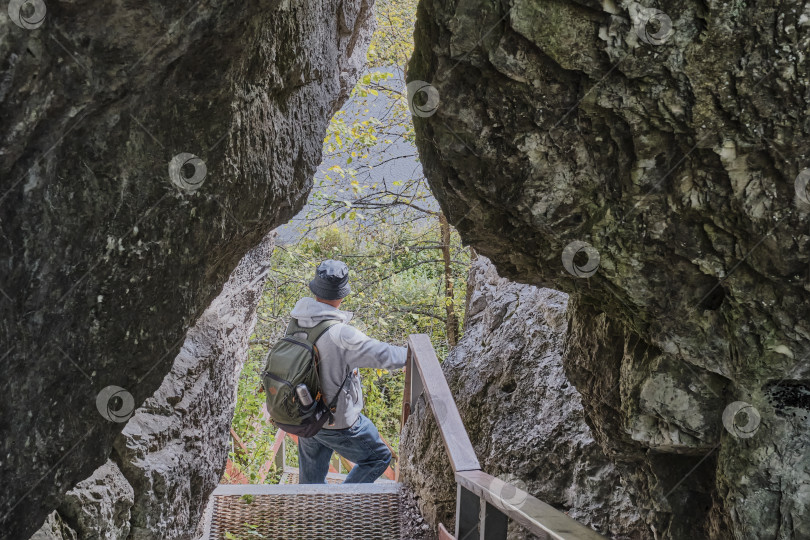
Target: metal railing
{"x":484,"y":503}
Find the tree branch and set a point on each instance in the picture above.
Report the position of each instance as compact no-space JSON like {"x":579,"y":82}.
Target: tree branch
{"x":401,"y":309}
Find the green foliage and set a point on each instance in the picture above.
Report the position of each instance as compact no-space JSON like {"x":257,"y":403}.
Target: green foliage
{"x":248,"y":532}
{"x":392,"y":43}
{"x":397,"y":282}
{"x":357,"y":141}
{"x":386,"y":229}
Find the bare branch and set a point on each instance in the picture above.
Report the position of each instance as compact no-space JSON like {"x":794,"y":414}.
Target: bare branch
{"x":418,"y":312}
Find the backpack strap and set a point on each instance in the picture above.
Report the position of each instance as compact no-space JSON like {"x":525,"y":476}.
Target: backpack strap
{"x":333,"y":406}
{"x":314,"y":333}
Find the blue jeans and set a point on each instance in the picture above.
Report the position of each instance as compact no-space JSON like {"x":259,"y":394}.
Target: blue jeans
{"x":360,"y":443}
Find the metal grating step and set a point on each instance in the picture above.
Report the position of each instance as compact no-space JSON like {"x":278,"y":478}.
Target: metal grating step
{"x":310,"y":512}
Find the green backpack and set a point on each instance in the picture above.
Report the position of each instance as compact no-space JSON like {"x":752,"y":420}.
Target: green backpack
{"x":292,"y":383}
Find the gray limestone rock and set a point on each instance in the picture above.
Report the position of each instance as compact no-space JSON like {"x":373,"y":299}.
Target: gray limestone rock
{"x":99,"y":506}
{"x":145,"y":147}
{"x":524,"y":417}
{"x":54,"y":528}
{"x":647,"y":159}
{"x":172,"y":451}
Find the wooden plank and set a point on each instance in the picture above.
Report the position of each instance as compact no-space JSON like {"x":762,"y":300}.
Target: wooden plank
{"x":238,"y":441}
{"x":417,"y":388}
{"x":278,"y":443}
{"x":406,"y":394}
{"x":444,"y":534}
{"x":280,"y":449}
{"x":455,"y":438}
{"x":234,"y":475}
{"x":536,"y":516}
{"x":391,"y":448}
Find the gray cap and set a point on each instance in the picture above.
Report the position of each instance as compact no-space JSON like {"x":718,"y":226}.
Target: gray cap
{"x":331,"y":281}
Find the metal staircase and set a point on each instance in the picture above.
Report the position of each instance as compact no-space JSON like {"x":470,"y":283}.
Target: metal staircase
{"x":292,"y":511}
{"x":337,"y":511}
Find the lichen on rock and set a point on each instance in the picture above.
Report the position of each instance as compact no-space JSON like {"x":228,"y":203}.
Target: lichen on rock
{"x":146,"y":147}
{"x":172,"y":451}
{"x":524,"y":418}
{"x":100,"y":506}
{"x":670,"y":140}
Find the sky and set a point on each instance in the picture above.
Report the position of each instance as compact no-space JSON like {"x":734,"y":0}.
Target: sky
{"x":362,"y":108}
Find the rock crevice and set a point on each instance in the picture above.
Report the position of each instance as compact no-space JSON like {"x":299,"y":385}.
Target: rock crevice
{"x":525,"y":419}
{"x":172,"y":451}
{"x":647,"y":161}
{"x":147,"y":147}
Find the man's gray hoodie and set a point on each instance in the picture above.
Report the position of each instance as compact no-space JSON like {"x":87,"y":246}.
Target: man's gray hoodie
{"x":343,"y":349}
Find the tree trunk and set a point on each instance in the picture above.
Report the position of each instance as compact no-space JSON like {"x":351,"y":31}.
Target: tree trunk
{"x":470,"y":288}
{"x":449,"y":304}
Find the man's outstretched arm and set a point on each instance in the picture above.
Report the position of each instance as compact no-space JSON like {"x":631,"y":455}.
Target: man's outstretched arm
{"x":362,"y":351}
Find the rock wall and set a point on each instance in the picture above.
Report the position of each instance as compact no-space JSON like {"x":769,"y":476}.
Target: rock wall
{"x":171,"y":453}
{"x":98,"y":507}
{"x":146,"y":147}
{"x":524,"y":417}
{"x":648,"y":160}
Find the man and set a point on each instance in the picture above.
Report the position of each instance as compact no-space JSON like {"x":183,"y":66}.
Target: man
{"x":342,"y":350}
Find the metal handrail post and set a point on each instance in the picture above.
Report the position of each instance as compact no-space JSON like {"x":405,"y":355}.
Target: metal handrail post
{"x":482,"y":510}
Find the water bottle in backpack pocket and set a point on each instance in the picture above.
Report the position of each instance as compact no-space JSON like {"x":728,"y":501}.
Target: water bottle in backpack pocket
{"x":292,"y":383}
